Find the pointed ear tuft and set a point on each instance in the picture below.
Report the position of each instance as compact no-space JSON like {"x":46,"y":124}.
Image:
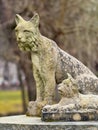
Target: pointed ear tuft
{"x":18,"y":19}
{"x":35,"y":19}
{"x":69,"y":76}
{"x":71,"y":79}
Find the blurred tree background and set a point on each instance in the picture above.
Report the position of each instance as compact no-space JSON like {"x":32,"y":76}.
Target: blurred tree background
{"x":73,"y":24}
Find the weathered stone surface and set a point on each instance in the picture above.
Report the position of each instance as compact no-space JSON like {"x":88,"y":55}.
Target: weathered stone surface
{"x":50,"y":64}
{"x":70,"y":116}
{"x":34,"y":123}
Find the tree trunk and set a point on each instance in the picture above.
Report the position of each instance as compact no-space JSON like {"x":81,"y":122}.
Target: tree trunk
{"x":24,"y":100}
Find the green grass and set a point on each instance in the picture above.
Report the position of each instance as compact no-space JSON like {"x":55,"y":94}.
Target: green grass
{"x":10,"y":102}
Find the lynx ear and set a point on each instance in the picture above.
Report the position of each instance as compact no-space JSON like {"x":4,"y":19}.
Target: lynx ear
{"x":18,"y":19}
{"x":35,"y":19}
{"x":69,"y":76}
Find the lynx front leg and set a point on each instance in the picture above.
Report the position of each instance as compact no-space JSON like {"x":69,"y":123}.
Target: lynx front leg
{"x":49,"y":87}
{"x":34,"y":107}
{"x":48,"y":70}
{"x":39,"y":85}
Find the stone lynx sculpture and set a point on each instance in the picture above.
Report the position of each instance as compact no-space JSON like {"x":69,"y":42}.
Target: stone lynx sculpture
{"x":72,"y":98}
{"x":73,"y":102}
{"x":50,"y":64}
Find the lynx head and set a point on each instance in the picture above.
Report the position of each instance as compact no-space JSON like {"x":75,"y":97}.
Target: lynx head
{"x":27,"y":32}
{"x":68,"y":88}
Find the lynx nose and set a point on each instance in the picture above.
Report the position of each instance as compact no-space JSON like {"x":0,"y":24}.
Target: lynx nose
{"x":19,"y":38}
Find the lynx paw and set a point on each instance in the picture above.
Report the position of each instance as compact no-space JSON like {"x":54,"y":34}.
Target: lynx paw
{"x":50,"y":108}
{"x":34,"y":108}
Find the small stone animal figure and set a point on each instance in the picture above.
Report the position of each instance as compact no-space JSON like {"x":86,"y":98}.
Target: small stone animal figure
{"x":71,"y":99}
{"x":50,"y":63}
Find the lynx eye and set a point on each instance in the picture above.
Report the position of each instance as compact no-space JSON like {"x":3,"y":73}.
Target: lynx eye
{"x":64,"y":82}
{"x":16,"y":30}
{"x":26,"y":31}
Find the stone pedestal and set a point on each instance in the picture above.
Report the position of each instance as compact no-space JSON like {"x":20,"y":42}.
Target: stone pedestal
{"x":70,"y":116}
{"x":34,"y":123}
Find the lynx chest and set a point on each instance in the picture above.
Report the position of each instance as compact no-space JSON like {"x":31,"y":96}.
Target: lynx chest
{"x":38,"y":62}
